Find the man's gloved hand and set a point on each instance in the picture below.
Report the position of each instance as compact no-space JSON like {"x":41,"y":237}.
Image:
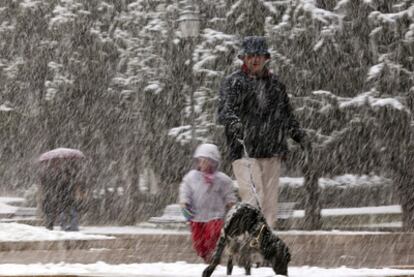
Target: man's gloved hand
{"x":236,"y":128}
{"x":188,"y":213}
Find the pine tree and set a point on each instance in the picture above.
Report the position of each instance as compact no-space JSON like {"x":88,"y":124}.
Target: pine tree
{"x":392,"y":78}
{"x":326,"y":57}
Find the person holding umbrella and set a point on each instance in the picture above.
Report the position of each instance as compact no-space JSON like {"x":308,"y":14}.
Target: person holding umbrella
{"x":59,"y":183}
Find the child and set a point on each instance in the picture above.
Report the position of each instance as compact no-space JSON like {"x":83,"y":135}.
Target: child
{"x":205,"y":196}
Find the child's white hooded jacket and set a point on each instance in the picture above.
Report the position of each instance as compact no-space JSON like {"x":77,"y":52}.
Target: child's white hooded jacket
{"x":207,"y":200}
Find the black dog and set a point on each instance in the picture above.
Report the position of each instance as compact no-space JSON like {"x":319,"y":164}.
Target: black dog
{"x":244,"y":219}
{"x":241,"y":250}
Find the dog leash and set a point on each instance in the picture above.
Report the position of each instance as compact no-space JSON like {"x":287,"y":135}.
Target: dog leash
{"x":249,"y":166}
{"x":254,"y":243}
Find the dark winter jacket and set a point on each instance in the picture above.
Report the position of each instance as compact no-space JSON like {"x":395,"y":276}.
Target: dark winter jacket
{"x":260,"y":106}
{"x":58,"y":185}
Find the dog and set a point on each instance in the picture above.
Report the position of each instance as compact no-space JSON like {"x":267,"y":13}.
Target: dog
{"x":245,"y":219}
{"x":241,"y":250}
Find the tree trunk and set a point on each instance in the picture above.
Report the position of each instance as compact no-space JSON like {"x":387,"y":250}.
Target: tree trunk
{"x":405,"y":190}
{"x":312,"y":205}
{"x":401,"y":163}
{"x":312,"y":219}
{"x":407,"y":208}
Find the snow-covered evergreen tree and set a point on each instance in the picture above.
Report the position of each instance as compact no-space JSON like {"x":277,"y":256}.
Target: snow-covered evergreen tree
{"x":116,"y":79}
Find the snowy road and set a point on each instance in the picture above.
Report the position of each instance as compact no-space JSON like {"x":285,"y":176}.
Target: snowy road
{"x":182,"y":269}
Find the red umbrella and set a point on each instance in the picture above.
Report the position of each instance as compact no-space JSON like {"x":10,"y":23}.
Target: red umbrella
{"x":61,"y":153}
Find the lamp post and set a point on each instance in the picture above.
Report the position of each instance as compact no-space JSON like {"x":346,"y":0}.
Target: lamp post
{"x":189,"y":22}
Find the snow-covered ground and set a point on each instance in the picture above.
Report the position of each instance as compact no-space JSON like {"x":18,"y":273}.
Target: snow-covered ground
{"x":22,"y":232}
{"x":340,"y":180}
{"x":129,"y":230}
{"x":182,"y":269}
{"x":10,"y":232}
{"x":391,"y":209}
{"x":6,"y":206}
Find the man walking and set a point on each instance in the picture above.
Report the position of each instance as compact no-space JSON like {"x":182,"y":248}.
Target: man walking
{"x":254,"y":107}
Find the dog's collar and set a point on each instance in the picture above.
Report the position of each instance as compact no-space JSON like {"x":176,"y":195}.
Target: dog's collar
{"x":255,"y":242}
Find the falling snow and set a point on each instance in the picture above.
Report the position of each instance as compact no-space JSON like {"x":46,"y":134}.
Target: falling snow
{"x":119,"y":81}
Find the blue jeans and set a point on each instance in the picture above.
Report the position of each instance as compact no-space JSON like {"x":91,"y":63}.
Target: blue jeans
{"x":69,"y":220}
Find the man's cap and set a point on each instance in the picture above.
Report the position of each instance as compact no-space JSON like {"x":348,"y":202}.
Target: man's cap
{"x":254,"y":45}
